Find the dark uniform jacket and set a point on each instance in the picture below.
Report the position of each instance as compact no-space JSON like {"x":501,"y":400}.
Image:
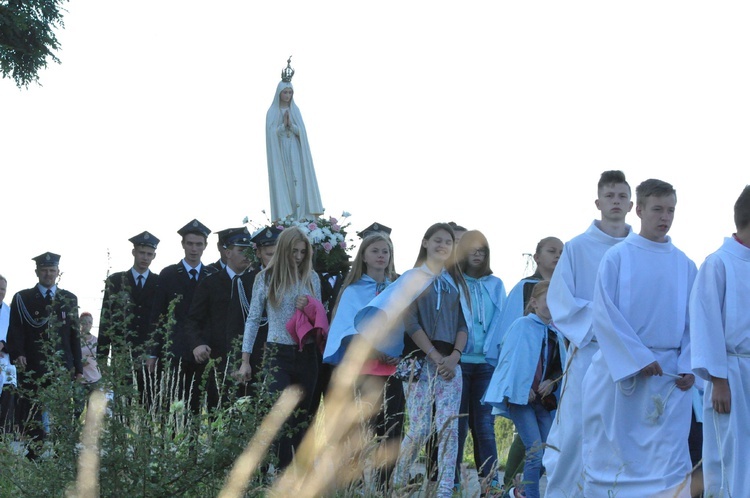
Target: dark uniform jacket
{"x":123,"y":298}
{"x":238,"y":314}
{"x":174,"y":282}
{"x":31,"y":323}
{"x":207,"y":320}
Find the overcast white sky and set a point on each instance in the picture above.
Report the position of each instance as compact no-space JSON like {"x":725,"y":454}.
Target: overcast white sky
{"x":497,"y":115}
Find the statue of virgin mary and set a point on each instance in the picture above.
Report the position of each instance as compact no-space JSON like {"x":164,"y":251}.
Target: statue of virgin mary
{"x":291,"y":175}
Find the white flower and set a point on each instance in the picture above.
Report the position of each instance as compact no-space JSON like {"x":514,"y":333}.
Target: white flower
{"x":316,"y":236}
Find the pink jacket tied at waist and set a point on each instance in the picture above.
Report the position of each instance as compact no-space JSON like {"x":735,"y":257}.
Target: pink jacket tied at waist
{"x":312,"y":319}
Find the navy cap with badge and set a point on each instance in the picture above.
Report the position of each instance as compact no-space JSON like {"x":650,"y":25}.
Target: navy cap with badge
{"x":266,"y":236}
{"x":145,"y":239}
{"x":47,"y":259}
{"x":237,"y":237}
{"x":375,"y":227}
{"x":195,"y":227}
{"x":222,"y":234}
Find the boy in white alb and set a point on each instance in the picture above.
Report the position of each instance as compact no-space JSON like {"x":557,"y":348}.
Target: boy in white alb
{"x":569,"y":299}
{"x":636,"y":393}
{"x":720,"y":334}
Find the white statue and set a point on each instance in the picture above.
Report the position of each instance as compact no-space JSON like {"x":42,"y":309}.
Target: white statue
{"x":291,"y":175}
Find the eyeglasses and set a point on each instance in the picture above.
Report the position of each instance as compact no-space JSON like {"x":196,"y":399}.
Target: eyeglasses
{"x":479,"y":252}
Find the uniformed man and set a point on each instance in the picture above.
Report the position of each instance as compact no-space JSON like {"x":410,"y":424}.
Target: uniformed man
{"x":177,"y":284}
{"x":220,"y":239}
{"x":264,"y":242}
{"x":207,"y":330}
{"x":44,"y":312}
{"x":126,"y":310}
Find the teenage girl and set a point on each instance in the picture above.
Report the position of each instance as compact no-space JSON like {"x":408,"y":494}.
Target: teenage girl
{"x":488,"y":296}
{"x":435,"y":325}
{"x":372,"y":271}
{"x":282,"y":288}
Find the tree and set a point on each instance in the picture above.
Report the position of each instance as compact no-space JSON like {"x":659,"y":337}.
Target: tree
{"x":27,"y":37}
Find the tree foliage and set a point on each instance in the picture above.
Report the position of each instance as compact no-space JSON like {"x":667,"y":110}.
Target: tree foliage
{"x":27,"y":37}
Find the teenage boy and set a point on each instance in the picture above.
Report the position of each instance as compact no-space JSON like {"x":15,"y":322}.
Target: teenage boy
{"x":636,"y":393}
{"x":569,"y":298}
{"x":126,"y":309}
{"x":720,"y":336}
{"x":177,"y":283}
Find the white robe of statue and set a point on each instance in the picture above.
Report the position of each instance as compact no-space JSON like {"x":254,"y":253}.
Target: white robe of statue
{"x":292,"y":182}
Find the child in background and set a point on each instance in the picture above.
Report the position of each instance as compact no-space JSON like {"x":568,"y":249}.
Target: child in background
{"x":523,"y":384}
{"x":91,"y":373}
{"x":546,"y":256}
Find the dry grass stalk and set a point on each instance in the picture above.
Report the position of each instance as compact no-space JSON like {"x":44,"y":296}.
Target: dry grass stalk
{"x":250,"y":459}
{"x":87,"y":484}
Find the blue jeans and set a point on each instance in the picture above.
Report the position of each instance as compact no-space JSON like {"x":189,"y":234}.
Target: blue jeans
{"x":481,"y":422}
{"x":533,"y":423}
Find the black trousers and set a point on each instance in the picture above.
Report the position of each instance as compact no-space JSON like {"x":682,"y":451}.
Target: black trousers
{"x":288,"y":366}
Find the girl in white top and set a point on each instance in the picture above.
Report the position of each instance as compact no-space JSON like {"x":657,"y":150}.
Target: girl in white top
{"x":281,"y":289}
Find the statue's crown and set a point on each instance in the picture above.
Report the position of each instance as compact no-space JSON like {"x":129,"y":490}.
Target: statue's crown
{"x":287,"y":73}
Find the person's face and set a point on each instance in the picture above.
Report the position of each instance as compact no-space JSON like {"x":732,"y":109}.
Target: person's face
{"x":265,"y":253}
{"x":286,"y":95}
{"x":614,"y":202}
{"x":299,"y":251}
{"x":477,"y":255}
{"x":86,"y":323}
{"x":194,"y":245}
{"x":236,"y":258}
{"x":142,"y":257}
{"x":377,"y":255}
{"x":656,"y":214}
{"x":548,"y":256}
{"x":439,"y":246}
{"x":48,"y":275}
{"x":539,"y":304}
{"x":3,"y":289}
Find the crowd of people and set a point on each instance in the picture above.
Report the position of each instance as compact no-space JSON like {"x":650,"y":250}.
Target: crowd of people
{"x":599,"y":358}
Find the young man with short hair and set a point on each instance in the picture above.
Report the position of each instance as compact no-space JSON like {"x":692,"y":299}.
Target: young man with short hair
{"x":569,"y":298}
{"x":130,"y":292}
{"x":178,"y":282}
{"x":636,"y":393}
{"x":720,"y":335}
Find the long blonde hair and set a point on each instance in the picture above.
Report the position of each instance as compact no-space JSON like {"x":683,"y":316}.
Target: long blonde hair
{"x":359,"y":267}
{"x":283,"y":274}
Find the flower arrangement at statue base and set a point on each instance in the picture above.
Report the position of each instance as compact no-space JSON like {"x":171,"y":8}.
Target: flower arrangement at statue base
{"x":328,"y":237}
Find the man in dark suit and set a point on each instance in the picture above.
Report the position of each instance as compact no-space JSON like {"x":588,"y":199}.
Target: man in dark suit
{"x":43,"y":313}
{"x":206,"y":326}
{"x":222,"y":261}
{"x":126,"y":312}
{"x":264,"y":242}
{"x":177,"y":284}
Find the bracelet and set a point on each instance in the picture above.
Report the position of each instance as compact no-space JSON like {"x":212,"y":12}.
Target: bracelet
{"x":460,"y":353}
{"x":430,"y":351}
